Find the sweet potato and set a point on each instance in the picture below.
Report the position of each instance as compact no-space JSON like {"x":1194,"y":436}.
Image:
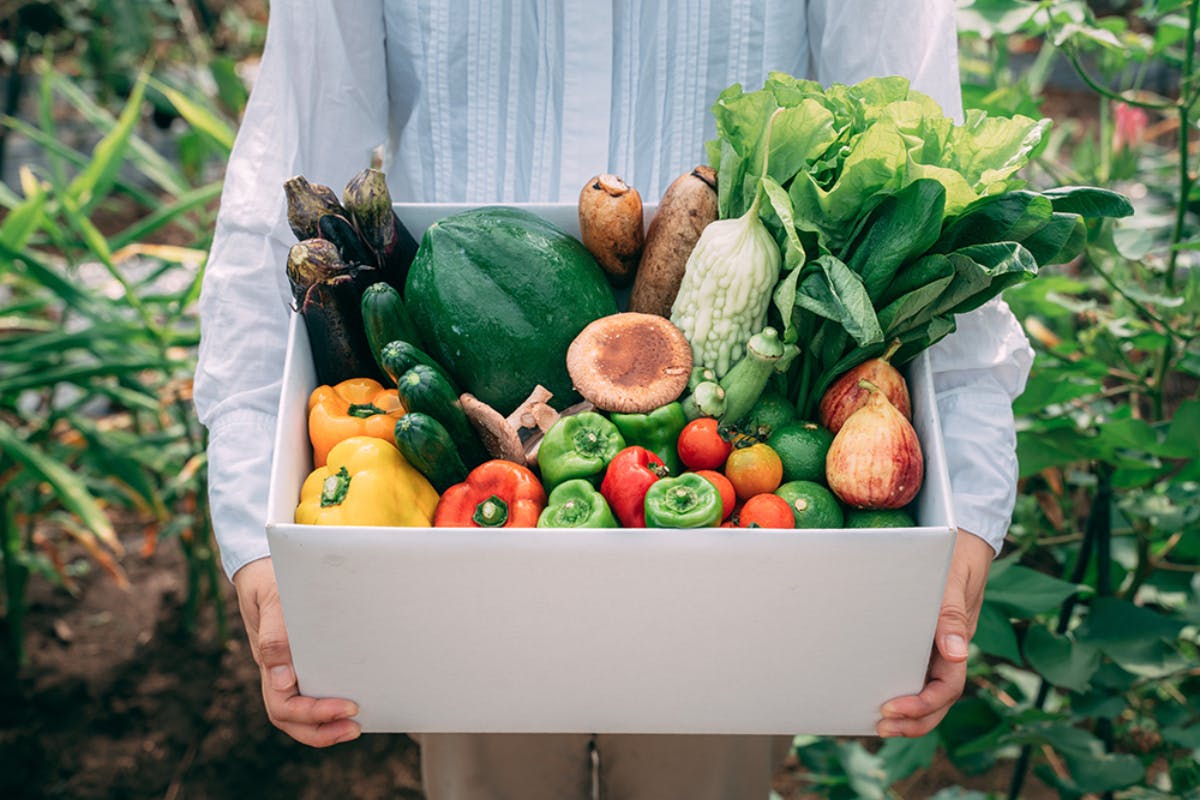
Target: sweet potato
{"x":688,"y":205}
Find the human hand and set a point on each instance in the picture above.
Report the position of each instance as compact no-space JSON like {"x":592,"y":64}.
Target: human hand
{"x":312,"y":721}
{"x":916,"y":715}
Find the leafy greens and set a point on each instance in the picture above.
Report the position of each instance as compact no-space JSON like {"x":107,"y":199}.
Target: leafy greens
{"x":891,"y":218}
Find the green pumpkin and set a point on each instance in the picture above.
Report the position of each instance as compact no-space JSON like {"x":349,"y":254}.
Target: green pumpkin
{"x":498,"y":295}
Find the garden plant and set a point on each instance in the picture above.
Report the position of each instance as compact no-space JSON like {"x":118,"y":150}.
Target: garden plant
{"x":1084,"y":679}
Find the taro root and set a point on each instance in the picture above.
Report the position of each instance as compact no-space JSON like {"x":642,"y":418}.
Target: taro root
{"x":846,"y":395}
{"x":875,"y":460}
{"x":611,"y":226}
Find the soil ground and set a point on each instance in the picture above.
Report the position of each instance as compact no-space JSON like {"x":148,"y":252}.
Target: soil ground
{"x":120,"y":701}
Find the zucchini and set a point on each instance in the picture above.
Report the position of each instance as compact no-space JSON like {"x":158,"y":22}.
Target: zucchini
{"x":425,"y":443}
{"x":385,"y":319}
{"x":425,"y":389}
{"x":399,"y":356}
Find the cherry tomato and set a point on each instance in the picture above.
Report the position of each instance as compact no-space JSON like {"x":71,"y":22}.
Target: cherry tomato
{"x":728,"y":495}
{"x":701,"y":446}
{"x":766,"y":511}
{"x":754,"y":470}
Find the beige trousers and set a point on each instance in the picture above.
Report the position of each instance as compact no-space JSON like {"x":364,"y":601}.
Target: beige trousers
{"x":603,"y":767}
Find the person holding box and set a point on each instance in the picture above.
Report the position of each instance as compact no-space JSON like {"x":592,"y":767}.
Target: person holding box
{"x":523,"y":101}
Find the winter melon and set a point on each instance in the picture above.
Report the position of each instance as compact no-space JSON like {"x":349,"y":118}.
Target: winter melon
{"x":498,"y":294}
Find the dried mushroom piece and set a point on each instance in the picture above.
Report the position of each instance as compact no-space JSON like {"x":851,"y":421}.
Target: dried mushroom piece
{"x":512,"y":438}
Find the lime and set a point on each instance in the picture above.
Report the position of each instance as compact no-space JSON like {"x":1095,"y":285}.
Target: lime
{"x":865,"y":518}
{"x":812,"y":504}
{"x":772,"y":411}
{"x":802,"y":447}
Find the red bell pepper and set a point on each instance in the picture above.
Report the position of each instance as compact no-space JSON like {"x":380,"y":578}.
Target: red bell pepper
{"x":496,"y":494}
{"x":626,"y":481}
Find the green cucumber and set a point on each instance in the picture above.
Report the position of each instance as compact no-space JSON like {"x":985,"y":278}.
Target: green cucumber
{"x":425,"y":443}
{"x":425,"y":389}
{"x":385,"y":319}
{"x":399,"y":356}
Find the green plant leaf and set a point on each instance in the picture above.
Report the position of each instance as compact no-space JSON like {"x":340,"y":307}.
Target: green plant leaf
{"x":992,"y":18}
{"x":1188,"y":737}
{"x":1092,"y":769}
{"x":1024,"y":592}
{"x":148,"y":161}
{"x":793,"y":250}
{"x":1059,"y":241}
{"x":900,"y":228}
{"x":903,"y":757}
{"x":91,"y":185}
{"x":836,"y":293}
{"x":1060,"y":660}
{"x":1089,"y":202}
{"x":23,"y":220}
{"x":68,"y":487}
{"x":1136,"y":638}
{"x":994,"y":633}
{"x":199,"y":117}
{"x":1007,"y":217}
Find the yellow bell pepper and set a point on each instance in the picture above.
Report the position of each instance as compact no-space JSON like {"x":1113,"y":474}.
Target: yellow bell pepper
{"x":366,"y":482}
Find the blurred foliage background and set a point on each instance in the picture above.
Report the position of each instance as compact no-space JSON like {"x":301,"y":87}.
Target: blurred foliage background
{"x":118,"y":117}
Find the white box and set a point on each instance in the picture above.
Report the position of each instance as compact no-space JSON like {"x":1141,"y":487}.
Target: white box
{"x":606,"y":631}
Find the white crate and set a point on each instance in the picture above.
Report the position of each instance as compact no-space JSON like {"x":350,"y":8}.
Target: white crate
{"x":606,"y":631}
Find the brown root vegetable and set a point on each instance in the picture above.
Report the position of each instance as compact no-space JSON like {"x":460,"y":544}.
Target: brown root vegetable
{"x":688,"y":205}
{"x":611,"y":226}
{"x":630,"y":362}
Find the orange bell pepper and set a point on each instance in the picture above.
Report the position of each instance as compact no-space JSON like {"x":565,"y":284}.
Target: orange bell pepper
{"x":354,"y":407}
{"x":496,"y":494}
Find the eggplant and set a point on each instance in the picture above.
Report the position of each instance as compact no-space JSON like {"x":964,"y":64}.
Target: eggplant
{"x":310,"y":262}
{"x":333,"y":317}
{"x":369,"y":205}
{"x":337,"y":229}
{"x":307,"y":203}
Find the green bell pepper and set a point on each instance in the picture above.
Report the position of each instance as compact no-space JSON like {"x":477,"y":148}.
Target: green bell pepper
{"x":576,"y":504}
{"x":578,"y":446}
{"x":657,"y":431}
{"x":686,"y":501}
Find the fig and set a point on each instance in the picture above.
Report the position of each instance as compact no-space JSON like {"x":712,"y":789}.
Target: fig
{"x":846,"y":396}
{"x":875,"y":460}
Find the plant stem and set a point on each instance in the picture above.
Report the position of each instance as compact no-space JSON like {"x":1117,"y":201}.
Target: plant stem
{"x":1099,"y":526}
{"x":1185,"y":178}
{"x":15,"y":575}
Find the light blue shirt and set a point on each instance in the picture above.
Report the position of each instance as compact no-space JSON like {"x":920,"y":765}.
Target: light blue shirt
{"x":524,"y":100}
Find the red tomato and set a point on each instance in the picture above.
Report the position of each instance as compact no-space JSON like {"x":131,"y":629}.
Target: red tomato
{"x":701,"y":446}
{"x":766,"y":511}
{"x":728,"y":495}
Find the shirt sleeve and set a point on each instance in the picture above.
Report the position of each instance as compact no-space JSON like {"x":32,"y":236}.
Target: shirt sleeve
{"x":982,"y":367}
{"x":318,"y":108}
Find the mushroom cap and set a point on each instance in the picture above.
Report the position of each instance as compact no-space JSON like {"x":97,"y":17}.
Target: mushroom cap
{"x":630,"y":362}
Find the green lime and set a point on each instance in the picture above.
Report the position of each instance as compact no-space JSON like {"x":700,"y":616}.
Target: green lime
{"x":895,"y":518}
{"x":812,"y":504}
{"x":802,"y":447}
{"x":772,"y":411}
